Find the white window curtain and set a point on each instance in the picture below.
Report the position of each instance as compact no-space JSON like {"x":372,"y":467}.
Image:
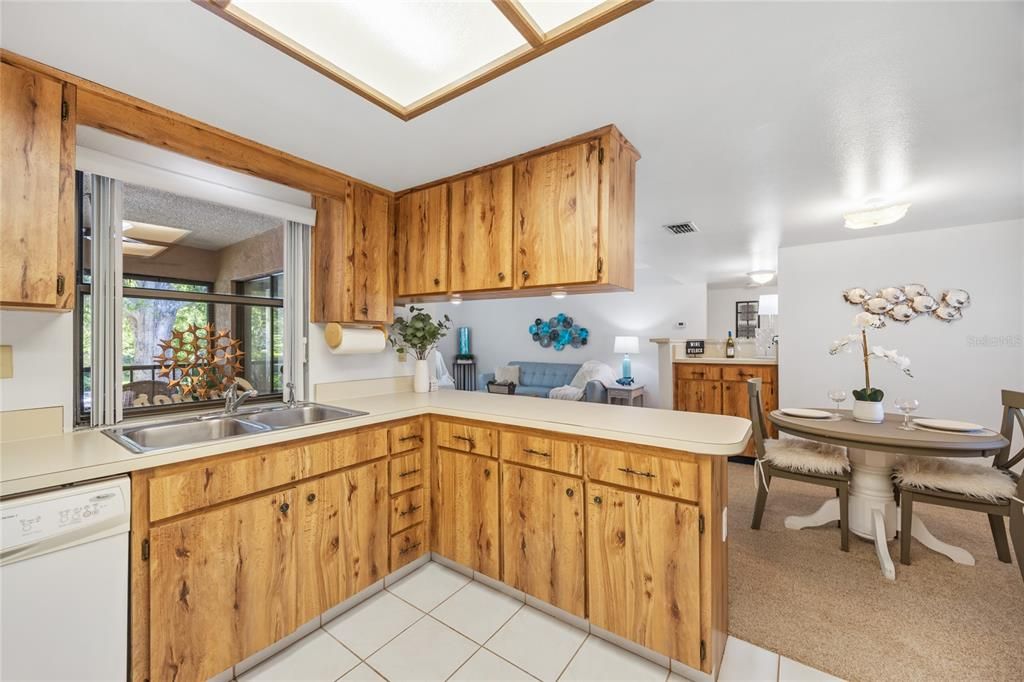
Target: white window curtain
{"x":106,"y":270}
{"x":296,"y":307}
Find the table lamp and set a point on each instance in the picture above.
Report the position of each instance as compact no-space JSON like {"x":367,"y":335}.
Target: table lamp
{"x":626,"y":345}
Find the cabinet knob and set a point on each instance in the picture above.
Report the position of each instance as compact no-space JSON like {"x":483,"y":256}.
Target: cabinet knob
{"x":526,"y":275}
{"x":284,"y":507}
{"x":569,"y":492}
{"x":311,"y":498}
{"x":501,"y":276}
{"x":597,"y":499}
{"x":487,"y":473}
{"x":437,"y":281}
{"x":365,"y":310}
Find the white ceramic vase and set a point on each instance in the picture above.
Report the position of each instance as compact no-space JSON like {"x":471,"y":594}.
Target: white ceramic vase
{"x":421,"y":377}
{"x":870,"y":412}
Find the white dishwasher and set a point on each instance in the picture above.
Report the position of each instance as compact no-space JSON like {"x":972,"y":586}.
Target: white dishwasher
{"x":64,"y":583}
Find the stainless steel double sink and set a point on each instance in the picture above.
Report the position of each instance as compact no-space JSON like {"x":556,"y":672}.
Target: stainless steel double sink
{"x":141,"y":438}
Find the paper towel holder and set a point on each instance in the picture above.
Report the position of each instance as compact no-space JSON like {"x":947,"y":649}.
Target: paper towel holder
{"x":334,"y":331}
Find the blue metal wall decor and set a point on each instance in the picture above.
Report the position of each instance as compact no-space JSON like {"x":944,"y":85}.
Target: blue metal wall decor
{"x":559,"y":332}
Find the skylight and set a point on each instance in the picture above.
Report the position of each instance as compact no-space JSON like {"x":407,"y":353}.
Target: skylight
{"x":409,"y":57}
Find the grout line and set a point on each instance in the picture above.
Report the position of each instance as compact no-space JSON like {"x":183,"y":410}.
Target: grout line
{"x":468,"y":583}
{"x":502,"y":626}
{"x":461,"y":665}
{"x":573,"y":657}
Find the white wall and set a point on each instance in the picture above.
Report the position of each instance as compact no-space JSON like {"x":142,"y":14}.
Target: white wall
{"x":43,"y":346}
{"x":500,"y":327}
{"x":958,"y":368}
{"x":325,"y":367}
{"x":722,"y":307}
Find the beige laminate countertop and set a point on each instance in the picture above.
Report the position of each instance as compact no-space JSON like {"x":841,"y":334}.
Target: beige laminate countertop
{"x":38,"y":463}
{"x":726,"y":361}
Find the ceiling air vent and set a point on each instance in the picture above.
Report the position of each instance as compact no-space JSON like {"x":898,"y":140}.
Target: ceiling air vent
{"x":681,"y":228}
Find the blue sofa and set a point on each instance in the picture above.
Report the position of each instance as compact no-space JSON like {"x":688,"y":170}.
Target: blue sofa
{"x":538,"y":378}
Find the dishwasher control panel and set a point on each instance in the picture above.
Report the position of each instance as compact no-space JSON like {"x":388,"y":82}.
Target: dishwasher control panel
{"x":59,"y":512}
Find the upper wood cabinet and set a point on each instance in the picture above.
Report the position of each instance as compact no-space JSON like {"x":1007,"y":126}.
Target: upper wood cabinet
{"x":556,"y":209}
{"x":351,"y":278}
{"x":481,"y":230}
{"x":423,"y":241}
{"x":37,"y":222}
{"x":464,"y":510}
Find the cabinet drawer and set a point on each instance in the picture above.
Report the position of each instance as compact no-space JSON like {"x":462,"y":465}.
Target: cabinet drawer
{"x":708,"y":372}
{"x":465,"y":438}
{"x":337,"y":452}
{"x":542,"y":452}
{"x":744,"y":372}
{"x":407,"y":545}
{"x":673,"y":477}
{"x":406,"y":510}
{"x":406,"y":472}
{"x":405,"y":437}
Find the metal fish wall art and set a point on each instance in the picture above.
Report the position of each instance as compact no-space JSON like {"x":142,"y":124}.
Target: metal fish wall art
{"x":905,"y":303}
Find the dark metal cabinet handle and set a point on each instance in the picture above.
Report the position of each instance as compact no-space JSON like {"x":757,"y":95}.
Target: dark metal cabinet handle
{"x":284,"y":507}
{"x":569,"y":492}
{"x":410,"y":472}
{"x":365,"y":309}
{"x":526,"y":275}
{"x":311,"y":498}
{"x":597,"y":499}
{"x":501,"y":276}
{"x":411,"y":510}
{"x":469,"y":441}
{"x":414,"y":436}
{"x":487,"y":473}
{"x":409,"y":548}
{"x":60,"y":285}
{"x":531,"y":451}
{"x":634,"y":472}
{"x":437,"y":281}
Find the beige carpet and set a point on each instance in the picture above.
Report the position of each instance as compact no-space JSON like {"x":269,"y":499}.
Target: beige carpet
{"x":796,"y":593}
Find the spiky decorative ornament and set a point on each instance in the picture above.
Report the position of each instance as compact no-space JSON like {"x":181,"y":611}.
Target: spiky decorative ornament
{"x":204,"y":359}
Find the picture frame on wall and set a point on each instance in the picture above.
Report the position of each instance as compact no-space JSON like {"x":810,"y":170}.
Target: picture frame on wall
{"x":747,"y":319}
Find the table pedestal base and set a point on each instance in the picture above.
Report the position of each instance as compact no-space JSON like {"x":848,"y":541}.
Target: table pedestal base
{"x":873,"y":511}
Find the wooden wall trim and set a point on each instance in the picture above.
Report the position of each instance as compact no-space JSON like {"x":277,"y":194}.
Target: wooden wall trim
{"x":121,"y":114}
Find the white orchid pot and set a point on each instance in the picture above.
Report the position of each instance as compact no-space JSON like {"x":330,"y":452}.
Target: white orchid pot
{"x":867,"y":411}
{"x":421,"y":377}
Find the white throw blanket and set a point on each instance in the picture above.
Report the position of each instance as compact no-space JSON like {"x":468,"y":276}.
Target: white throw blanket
{"x":591,"y":370}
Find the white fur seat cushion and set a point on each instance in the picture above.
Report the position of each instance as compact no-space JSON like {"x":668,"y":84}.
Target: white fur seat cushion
{"x":947,"y":475}
{"x":806,"y":457}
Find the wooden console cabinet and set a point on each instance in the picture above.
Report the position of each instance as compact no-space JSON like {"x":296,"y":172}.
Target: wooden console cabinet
{"x":720,"y":388}
{"x":233,"y":552}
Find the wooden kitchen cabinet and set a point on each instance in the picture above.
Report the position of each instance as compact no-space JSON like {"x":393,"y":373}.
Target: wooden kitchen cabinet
{"x":318,"y":510}
{"x":222,"y":586}
{"x":37,"y":163}
{"x":722,"y":389}
{"x":423,"y":241}
{"x":543,"y":550}
{"x":481,"y":230}
{"x":699,"y":395}
{"x":643,"y":570}
{"x":363,"y":519}
{"x":464,"y":510}
{"x":351,"y":277}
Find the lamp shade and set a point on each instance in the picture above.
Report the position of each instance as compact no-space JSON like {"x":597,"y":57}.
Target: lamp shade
{"x":627,"y":344}
{"x":768,"y":304}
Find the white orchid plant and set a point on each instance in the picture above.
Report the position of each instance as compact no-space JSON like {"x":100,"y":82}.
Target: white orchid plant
{"x":865,"y":321}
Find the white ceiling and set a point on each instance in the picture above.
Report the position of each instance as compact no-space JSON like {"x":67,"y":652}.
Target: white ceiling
{"x":762,"y":122}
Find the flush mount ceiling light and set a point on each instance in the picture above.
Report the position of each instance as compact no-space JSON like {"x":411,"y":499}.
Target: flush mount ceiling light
{"x":761,"y":276}
{"x":559,"y":294}
{"x":409,"y":57}
{"x":875,"y":217}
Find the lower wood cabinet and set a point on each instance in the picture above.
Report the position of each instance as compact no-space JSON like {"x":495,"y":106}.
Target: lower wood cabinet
{"x":363,"y":527}
{"x":464,"y":510}
{"x":543,"y":551}
{"x":222,"y":586}
{"x":643,"y":570}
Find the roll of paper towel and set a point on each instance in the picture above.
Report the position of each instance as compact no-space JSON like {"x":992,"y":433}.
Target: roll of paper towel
{"x":354,"y":340}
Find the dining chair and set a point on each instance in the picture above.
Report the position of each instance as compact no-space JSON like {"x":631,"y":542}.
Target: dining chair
{"x":797,"y":460}
{"x":1017,"y":525}
{"x":949,"y":483}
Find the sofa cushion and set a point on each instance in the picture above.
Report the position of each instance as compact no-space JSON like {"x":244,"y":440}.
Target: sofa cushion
{"x":546,"y":374}
{"x":535,"y":391}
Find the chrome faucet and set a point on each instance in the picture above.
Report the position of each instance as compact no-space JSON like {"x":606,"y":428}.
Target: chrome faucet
{"x":291,"y":394}
{"x":233,"y":399}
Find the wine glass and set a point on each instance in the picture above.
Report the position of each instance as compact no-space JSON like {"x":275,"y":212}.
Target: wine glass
{"x":838,"y":396}
{"x":906,"y":406}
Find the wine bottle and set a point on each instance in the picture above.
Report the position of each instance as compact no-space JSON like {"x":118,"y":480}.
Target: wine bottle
{"x":730,"y":347}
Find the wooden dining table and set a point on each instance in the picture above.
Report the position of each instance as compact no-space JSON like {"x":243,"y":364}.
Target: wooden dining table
{"x":873,"y":450}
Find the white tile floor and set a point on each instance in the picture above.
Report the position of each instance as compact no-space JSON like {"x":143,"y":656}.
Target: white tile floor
{"x":438,"y":624}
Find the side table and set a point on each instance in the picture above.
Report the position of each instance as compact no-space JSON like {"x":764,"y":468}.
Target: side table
{"x":626,"y":395}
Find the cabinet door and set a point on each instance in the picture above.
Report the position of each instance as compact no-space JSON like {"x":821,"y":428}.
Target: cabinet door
{"x":481,"y":231}
{"x":222,"y":586}
{"x":318,"y":505}
{"x":556,"y":214}
{"x":371,"y":253}
{"x":364,"y":509}
{"x":542,"y":524}
{"x":698,"y":395}
{"x":423,"y":242}
{"x":464,"y":510}
{"x":30,"y":163}
{"x":734,"y":399}
{"x":643,"y":570}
